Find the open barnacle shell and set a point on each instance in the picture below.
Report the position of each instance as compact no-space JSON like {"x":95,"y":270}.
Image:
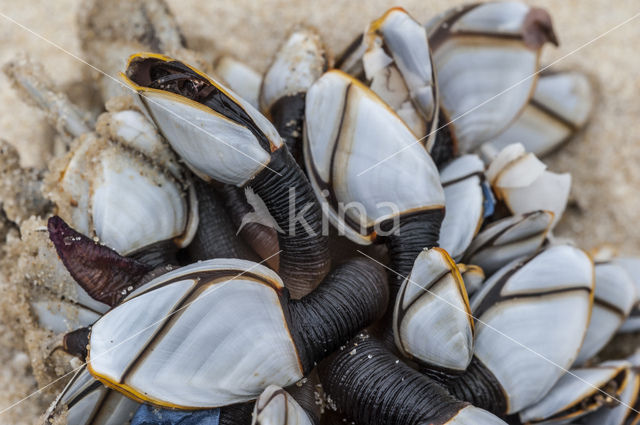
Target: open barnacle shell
{"x":509,"y":238}
{"x":222,"y":137}
{"x":88,"y":402}
{"x":580,"y":392}
{"x":632,"y":266}
{"x":243,"y":138}
{"x":240,"y":78}
{"x":486,"y":56}
{"x":171,"y":344}
{"x":532,"y":317}
{"x":462,"y":182}
{"x":348,"y":132}
{"x":432,"y":320}
{"x":395,"y":58}
{"x":521,"y":180}
{"x":626,"y":411}
{"x":275,"y":406}
{"x":560,"y":107}
{"x":614,"y":297}
{"x":124,"y":187}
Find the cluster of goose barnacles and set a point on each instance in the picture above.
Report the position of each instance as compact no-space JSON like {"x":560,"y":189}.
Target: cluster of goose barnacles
{"x":364,"y":239}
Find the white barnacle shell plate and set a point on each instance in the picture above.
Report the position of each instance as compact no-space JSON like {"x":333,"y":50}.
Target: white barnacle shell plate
{"x":532,"y":317}
{"x":299,"y":62}
{"x":461,"y":180}
{"x":560,"y":106}
{"x":358,"y":150}
{"x":124,"y":199}
{"x":241,"y":78}
{"x":486,"y":74}
{"x":507,"y":239}
{"x":473,"y":277}
{"x":209,"y":334}
{"x":632,"y":266}
{"x":407,"y":42}
{"x":614,"y":296}
{"x":211,"y":144}
{"x":89,"y":402}
{"x":472,"y":415}
{"x":626,"y":411}
{"x":577,"y":392}
{"x":524,"y":184}
{"x":275,"y":406}
{"x":432,"y":319}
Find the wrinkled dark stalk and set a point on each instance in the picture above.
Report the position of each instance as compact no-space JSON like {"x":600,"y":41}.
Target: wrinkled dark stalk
{"x":351,"y":297}
{"x":285,"y":190}
{"x":237,"y":414}
{"x":215,"y":237}
{"x":414,"y":233}
{"x":479,"y":386}
{"x":157,"y":254}
{"x":305,"y":393}
{"x":262,"y":239}
{"x":369,"y":385}
{"x":287,"y":116}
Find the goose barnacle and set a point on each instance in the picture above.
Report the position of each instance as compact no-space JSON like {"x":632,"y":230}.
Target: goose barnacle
{"x":614,"y":296}
{"x":559,"y":108}
{"x":380,"y":185}
{"x":522,"y":182}
{"x":532,"y":316}
{"x":259,"y":335}
{"x":299,"y":62}
{"x":432,"y":321}
{"x":222,"y":137}
{"x":394,"y":57}
{"x":276,"y":406}
{"x":509,"y":238}
{"x":486,"y":56}
{"x":579,"y":392}
{"x":124,"y":186}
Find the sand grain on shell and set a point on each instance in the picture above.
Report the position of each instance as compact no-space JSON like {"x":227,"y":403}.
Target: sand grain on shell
{"x":602,"y":160}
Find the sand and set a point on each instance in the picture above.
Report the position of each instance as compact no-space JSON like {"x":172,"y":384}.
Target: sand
{"x":602,"y":159}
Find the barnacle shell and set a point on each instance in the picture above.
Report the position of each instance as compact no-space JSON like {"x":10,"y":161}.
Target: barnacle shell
{"x":214,"y":144}
{"x":349,"y":135}
{"x":614,"y":297}
{"x":275,"y":406}
{"x":240,"y":78}
{"x":486,"y":57}
{"x":432,"y":320}
{"x":211,"y":350}
{"x":532,"y":317}
{"x":632,"y":266}
{"x":91,"y":403}
{"x":523,"y":183}
{"x":560,"y":106}
{"x":626,"y":412}
{"x":125,"y":187}
{"x":299,"y":62}
{"x":473,"y":277}
{"x":578,"y":393}
{"x":462,"y":183}
{"x":395,"y":56}
{"x":507,"y":239}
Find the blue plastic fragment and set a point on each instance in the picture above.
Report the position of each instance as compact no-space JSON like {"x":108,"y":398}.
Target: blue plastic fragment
{"x":151,"y":415}
{"x":489,"y":203}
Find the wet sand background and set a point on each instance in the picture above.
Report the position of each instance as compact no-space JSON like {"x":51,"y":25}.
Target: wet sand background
{"x":603,"y":159}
